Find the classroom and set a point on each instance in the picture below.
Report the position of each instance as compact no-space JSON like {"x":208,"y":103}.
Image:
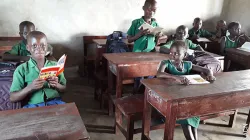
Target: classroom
{"x":125,"y":70}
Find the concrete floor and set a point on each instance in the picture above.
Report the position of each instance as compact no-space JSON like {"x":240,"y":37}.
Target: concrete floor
{"x":99,"y":124}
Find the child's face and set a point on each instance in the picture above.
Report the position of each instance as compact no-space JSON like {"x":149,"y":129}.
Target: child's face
{"x":149,"y":10}
{"x":181,"y":34}
{"x":221,"y":25}
{"x":37,"y":46}
{"x":197,"y":24}
{"x":177,"y":54}
{"x":235,"y":31}
{"x":25,"y":30}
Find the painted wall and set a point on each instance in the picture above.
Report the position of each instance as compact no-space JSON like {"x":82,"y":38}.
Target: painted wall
{"x":66,"y":21}
{"x":238,"y":10}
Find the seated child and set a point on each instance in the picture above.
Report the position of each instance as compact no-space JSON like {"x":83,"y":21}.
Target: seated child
{"x":235,"y":39}
{"x":173,"y":69}
{"x":180,"y":34}
{"x":26,"y":83}
{"x":197,"y":31}
{"x":20,"y":49}
{"x":221,"y":29}
{"x":143,"y":40}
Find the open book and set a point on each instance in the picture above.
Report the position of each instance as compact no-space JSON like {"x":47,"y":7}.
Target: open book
{"x":196,"y":79}
{"x":245,"y":47}
{"x":51,"y":71}
{"x":203,"y":39}
{"x":153,"y":30}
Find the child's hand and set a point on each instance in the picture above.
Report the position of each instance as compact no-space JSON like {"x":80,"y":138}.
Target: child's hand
{"x":183,"y":80}
{"x":36,"y":84}
{"x":143,"y":32}
{"x":53,"y":81}
{"x":211,"y":78}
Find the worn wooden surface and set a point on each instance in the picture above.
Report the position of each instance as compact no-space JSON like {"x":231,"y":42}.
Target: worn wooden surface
{"x":46,"y":123}
{"x":239,"y":56}
{"x":231,"y":90}
{"x":7,"y":45}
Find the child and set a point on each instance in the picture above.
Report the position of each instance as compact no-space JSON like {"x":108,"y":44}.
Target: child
{"x":173,"y":69}
{"x":26,"y":82}
{"x":181,"y":34}
{"x":235,"y":38}
{"x":19,"y":49}
{"x":143,"y":40}
{"x":197,"y":32}
{"x":221,"y":29}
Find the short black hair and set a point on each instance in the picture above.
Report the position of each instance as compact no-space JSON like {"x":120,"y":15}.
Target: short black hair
{"x":25,"y":23}
{"x":35,"y":34}
{"x":232,"y":24}
{"x":222,"y":21}
{"x":183,"y":27}
{"x":150,"y":2}
{"x":180,"y":45}
{"x":197,"y":19}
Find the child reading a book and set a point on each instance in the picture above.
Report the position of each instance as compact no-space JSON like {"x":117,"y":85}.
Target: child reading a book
{"x":27,"y":83}
{"x":174,"y":69}
{"x":197,"y":31}
{"x":20,"y":49}
{"x":144,"y":40}
{"x":235,"y":39}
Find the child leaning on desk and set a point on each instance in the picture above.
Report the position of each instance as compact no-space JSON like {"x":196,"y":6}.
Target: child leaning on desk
{"x":173,"y":69}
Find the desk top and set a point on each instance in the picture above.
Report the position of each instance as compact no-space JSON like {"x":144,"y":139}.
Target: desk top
{"x":135,"y":57}
{"x":103,"y":41}
{"x":8,"y":43}
{"x":51,"y":122}
{"x":237,"y":51}
{"x":227,"y":82}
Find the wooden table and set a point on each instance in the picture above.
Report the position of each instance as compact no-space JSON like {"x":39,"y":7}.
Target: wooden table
{"x":45,"y":123}
{"x":239,"y":56}
{"x":230,"y":91}
{"x":6,"y":46}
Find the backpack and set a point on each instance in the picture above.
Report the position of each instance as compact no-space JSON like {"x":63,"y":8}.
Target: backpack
{"x":115,"y":43}
{"x":7,"y":69}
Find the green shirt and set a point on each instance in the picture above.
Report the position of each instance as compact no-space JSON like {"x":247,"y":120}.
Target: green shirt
{"x":200,"y":33}
{"x":187,"y":67}
{"x":145,"y":43}
{"x":230,"y":43}
{"x":189,"y":44}
{"x":20,"y":49}
{"x":28,"y":72}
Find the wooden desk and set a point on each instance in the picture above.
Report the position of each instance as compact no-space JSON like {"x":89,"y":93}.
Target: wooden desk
{"x":239,"y":56}
{"x":7,"y":45}
{"x":47,"y":123}
{"x":219,"y":58}
{"x":230,"y":91}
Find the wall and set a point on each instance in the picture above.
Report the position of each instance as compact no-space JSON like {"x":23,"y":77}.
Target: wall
{"x":238,"y":10}
{"x":66,"y":21}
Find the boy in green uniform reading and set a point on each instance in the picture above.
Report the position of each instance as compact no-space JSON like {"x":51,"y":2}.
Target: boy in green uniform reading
{"x":143,"y":40}
{"x":20,"y":49}
{"x":26,"y":83}
{"x":197,"y":31}
{"x":173,"y":69}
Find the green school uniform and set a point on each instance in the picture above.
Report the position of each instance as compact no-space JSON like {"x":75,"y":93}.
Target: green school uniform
{"x":170,"y":68}
{"x":28,"y":72}
{"x":200,"y":33}
{"x":145,"y":43}
{"x":188,"y":42}
{"x":230,"y":43}
{"x":20,"y":49}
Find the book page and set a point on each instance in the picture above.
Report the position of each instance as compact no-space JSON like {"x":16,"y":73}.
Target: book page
{"x":203,"y":39}
{"x":196,"y":79}
{"x":61,"y":63}
{"x":48,"y":72}
{"x":153,"y":30}
{"x":245,"y":47}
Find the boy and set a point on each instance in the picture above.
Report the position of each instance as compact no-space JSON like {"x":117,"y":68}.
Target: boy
{"x":26,"y":82}
{"x":143,"y":40}
{"x":19,"y":49}
{"x":221,"y":29}
{"x":197,"y":32}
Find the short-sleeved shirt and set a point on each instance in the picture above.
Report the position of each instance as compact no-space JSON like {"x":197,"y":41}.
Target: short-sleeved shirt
{"x":187,"y":67}
{"x":145,"y":43}
{"x":200,"y":33}
{"x":230,"y":43}
{"x":26,"y":73}
{"x":188,"y":42}
{"x":21,"y":50}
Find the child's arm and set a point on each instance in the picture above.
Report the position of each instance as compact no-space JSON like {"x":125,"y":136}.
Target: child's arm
{"x":138,"y":35}
{"x":20,"y":95}
{"x":222,"y":45}
{"x":207,"y":72}
{"x":54,"y":82}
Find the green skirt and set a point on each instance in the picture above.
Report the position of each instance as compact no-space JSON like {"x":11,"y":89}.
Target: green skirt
{"x":194,"y":121}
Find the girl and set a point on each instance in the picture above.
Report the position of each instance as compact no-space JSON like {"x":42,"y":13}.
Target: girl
{"x":175,"y":67}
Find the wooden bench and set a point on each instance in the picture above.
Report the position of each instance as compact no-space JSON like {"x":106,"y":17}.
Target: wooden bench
{"x":6,"y":43}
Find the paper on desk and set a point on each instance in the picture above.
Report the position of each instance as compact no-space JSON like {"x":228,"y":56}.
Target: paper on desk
{"x":245,"y":47}
{"x":203,"y":39}
{"x":190,"y":52}
{"x":196,"y":79}
{"x":153,"y":30}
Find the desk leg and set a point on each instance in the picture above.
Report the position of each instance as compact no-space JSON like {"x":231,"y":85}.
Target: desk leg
{"x":170,"y":121}
{"x":146,"y":120}
{"x":110,"y":88}
{"x":118,"y":114}
{"x":246,"y":129}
